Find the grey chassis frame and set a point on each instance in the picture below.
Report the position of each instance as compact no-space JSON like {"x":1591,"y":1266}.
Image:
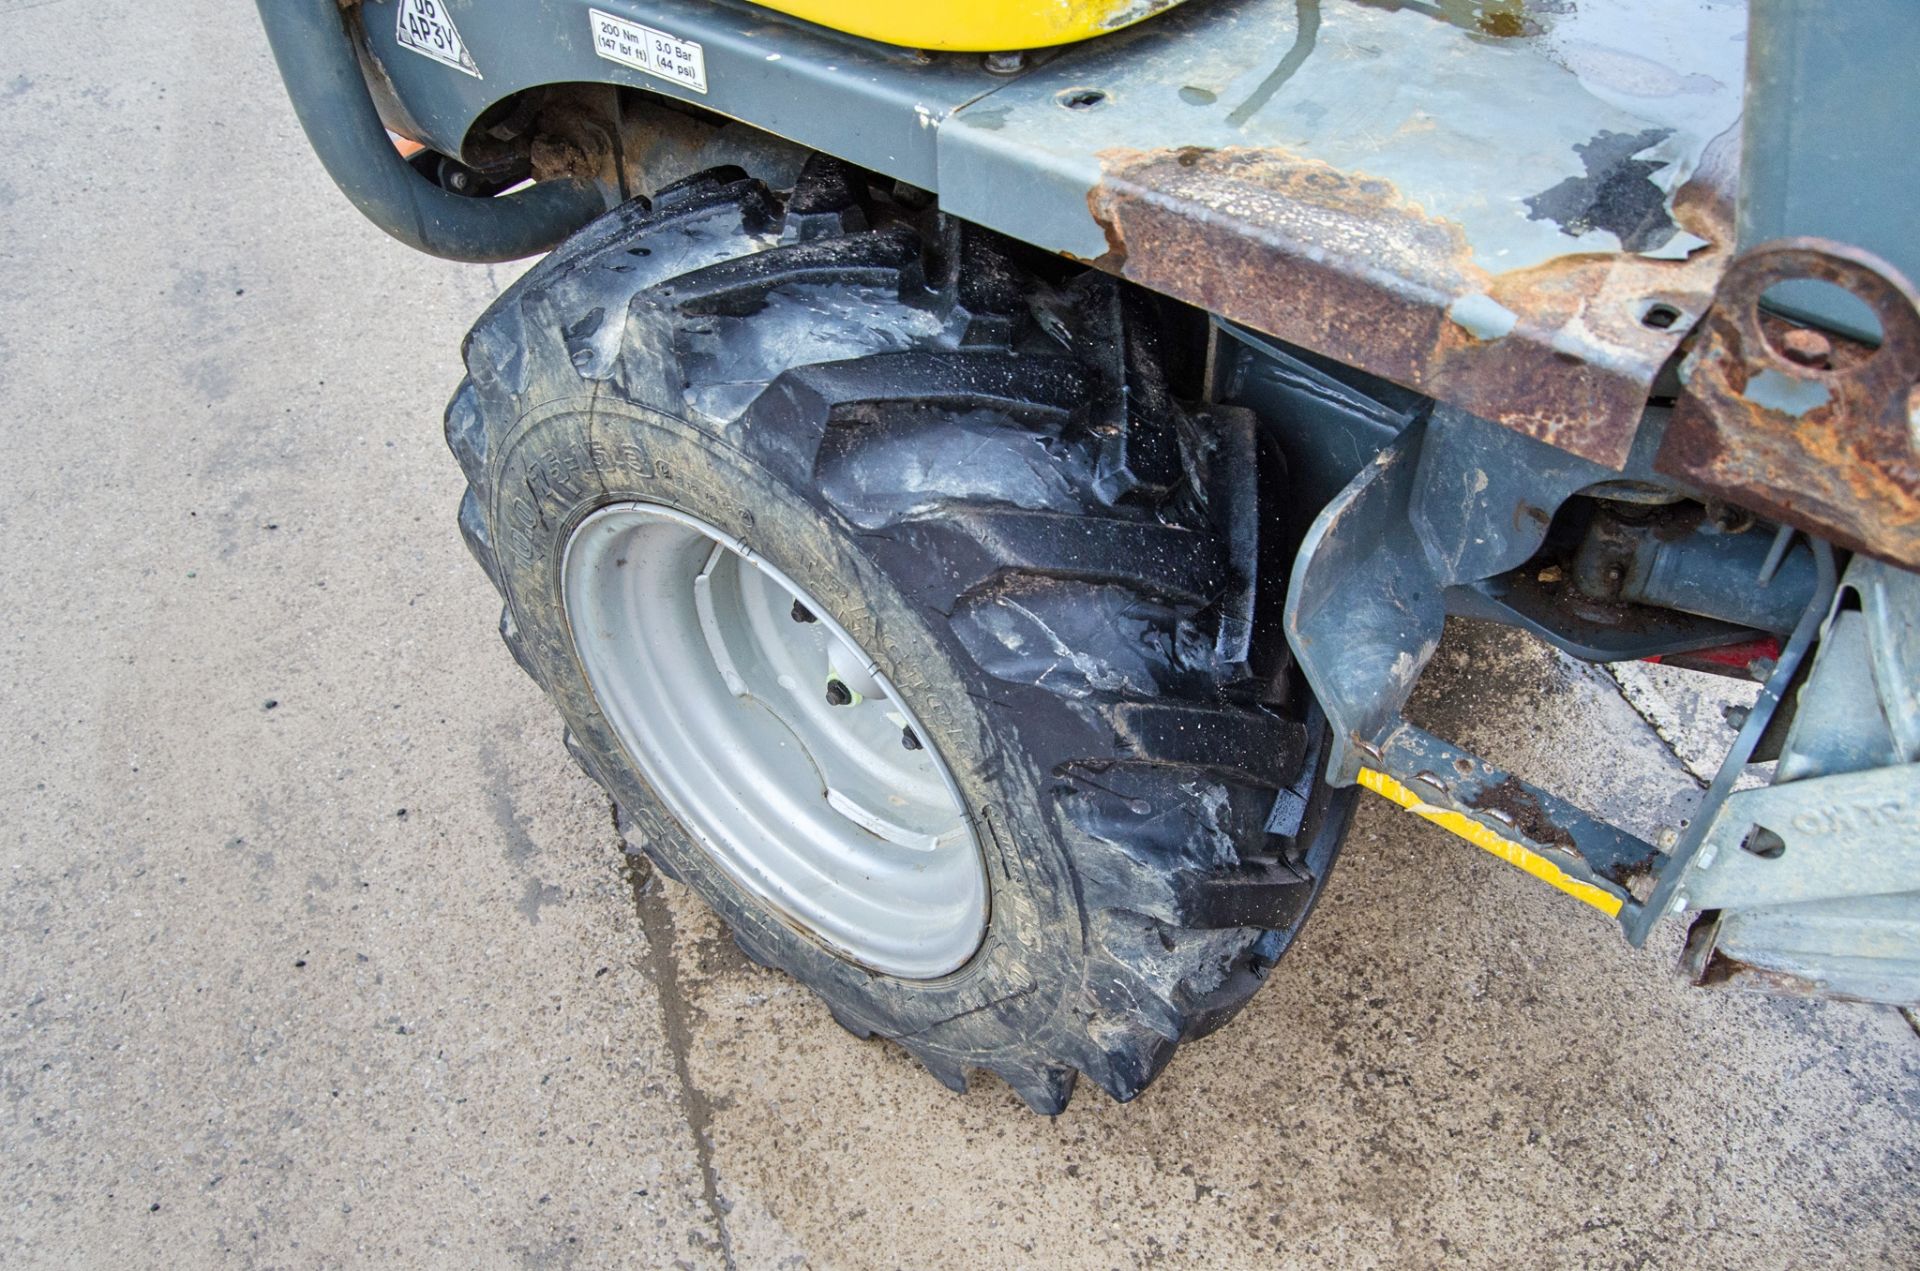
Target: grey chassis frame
{"x":1476,"y":278}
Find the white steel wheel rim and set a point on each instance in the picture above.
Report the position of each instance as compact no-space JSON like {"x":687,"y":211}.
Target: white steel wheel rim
{"x":718,"y":690}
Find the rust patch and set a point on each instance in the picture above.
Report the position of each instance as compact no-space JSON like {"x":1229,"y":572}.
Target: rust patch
{"x":1635,"y":877}
{"x":1709,"y":968}
{"x":1723,"y":972}
{"x":1521,"y":807}
{"x":1827,"y":443}
{"x":1343,"y":264}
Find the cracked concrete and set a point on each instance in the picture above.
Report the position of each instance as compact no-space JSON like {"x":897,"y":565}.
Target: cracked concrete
{"x":319,"y":950}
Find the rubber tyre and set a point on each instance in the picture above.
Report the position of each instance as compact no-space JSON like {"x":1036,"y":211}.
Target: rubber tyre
{"x":984,"y":477}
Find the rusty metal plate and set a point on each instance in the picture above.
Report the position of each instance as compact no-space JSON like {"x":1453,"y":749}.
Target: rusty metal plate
{"x":1518,"y":208}
{"x":1817,"y":432}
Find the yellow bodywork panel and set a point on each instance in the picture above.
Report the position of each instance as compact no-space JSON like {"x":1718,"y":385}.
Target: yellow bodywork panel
{"x":977,"y":26}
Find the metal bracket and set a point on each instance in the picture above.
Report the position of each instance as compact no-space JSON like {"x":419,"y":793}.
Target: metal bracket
{"x":1811,"y":885}
{"x":1849,"y":834}
{"x":1450,"y":502}
{"x":1819,"y":433}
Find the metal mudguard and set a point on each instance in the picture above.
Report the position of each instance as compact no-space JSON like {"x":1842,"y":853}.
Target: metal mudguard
{"x":1521,"y":216}
{"x":1518,"y":209}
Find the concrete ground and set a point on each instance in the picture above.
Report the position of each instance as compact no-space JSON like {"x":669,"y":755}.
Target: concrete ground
{"x":317,"y":949}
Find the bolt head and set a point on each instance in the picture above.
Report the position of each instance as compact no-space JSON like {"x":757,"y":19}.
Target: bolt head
{"x":908,"y":740}
{"x":803,"y":614}
{"x":1008,"y":63}
{"x":1807,"y":347}
{"x":838,"y":694}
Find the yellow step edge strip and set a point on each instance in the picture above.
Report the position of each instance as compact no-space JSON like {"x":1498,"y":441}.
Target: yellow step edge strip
{"x":1480,"y":836}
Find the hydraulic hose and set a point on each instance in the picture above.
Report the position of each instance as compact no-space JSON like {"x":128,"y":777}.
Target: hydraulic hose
{"x":317,"y":62}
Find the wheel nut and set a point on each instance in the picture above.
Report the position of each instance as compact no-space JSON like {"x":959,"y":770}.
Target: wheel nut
{"x":908,"y":740}
{"x":803,"y":614}
{"x":838,"y":694}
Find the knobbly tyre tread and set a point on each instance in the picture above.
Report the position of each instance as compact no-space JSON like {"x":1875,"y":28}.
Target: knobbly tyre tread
{"x":1008,"y":454}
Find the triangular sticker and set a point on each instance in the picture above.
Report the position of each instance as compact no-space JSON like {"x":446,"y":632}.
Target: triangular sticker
{"x":427,"y":28}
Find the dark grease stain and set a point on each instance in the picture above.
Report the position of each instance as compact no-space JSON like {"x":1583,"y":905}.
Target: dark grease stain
{"x":1522,"y":806}
{"x":1615,"y":195}
{"x":676,"y":1010}
{"x":538,"y":896}
{"x":518,"y":844}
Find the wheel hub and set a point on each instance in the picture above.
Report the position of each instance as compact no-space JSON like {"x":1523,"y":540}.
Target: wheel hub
{"x":775,"y":739}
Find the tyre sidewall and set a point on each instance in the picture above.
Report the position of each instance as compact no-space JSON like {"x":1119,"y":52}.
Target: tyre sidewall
{"x":564,"y":460}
